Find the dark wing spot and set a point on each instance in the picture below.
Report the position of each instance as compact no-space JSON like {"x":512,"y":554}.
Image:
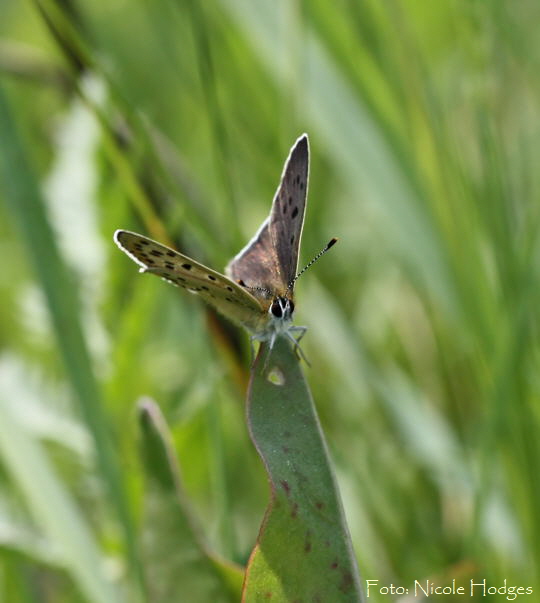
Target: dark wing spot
{"x":143,"y":242}
{"x":150,"y":261}
{"x":179,"y":278}
{"x":138,"y":246}
{"x":297,"y":179}
{"x":241,"y":283}
{"x":205,"y":288}
{"x":292,"y":240}
{"x":301,"y":186}
{"x":294,"y":212}
{"x":169,"y":265}
{"x":229,"y":288}
{"x":156,"y":253}
{"x":284,"y":208}
{"x":186,"y":266}
{"x":212,"y":278}
{"x":290,"y":200}
{"x":228,"y":299}
{"x":171,"y":254}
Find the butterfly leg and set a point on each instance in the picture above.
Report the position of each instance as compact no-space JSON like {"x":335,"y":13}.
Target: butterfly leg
{"x":298,"y":329}
{"x":297,"y":348}
{"x":270,"y":346}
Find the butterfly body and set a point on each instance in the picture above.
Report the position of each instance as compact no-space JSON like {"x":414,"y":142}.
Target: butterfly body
{"x":257,"y":288}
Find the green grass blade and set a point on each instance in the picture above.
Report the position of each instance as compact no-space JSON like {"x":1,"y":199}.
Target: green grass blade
{"x":25,"y":204}
{"x":51,"y":505}
{"x":303,"y":550}
{"x":179,"y":567}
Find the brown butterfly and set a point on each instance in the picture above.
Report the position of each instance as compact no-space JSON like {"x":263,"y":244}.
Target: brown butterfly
{"x":258,"y":291}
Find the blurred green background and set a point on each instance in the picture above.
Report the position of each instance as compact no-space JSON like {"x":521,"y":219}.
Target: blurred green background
{"x":173,"y":119}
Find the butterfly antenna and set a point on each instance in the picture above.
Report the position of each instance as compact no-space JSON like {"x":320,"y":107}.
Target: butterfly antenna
{"x":242,"y":284}
{"x":319,"y":255}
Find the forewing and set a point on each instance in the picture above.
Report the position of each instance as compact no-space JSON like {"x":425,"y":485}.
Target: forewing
{"x":270,"y":259}
{"x":288,"y":209}
{"x":257,"y":264}
{"x":226,"y":296}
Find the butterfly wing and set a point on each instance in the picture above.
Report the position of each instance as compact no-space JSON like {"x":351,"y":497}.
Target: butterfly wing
{"x":257,"y":264}
{"x":288,"y":209}
{"x":223,"y":294}
{"x":270,"y":259}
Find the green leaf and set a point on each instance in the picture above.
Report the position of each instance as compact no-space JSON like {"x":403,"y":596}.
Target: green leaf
{"x":303,"y":550}
{"x":178,"y":564}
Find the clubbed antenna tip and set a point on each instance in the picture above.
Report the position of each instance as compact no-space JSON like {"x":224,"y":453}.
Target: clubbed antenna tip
{"x":330,"y":243}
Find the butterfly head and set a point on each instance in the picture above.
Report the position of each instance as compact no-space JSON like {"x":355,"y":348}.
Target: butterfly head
{"x":281,"y":308}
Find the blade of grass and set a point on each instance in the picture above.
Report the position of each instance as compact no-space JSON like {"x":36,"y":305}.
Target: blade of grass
{"x":51,"y":504}
{"x":25,"y":204}
{"x":178,"y":564}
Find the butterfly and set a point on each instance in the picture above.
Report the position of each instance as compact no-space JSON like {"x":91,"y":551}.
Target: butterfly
{"x":257,"y":289}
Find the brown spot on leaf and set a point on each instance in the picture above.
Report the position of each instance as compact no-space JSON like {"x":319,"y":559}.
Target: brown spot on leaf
{"x":319,"y":505}
{"x":285,"y":485}
{"x":308,"y":545}
{"x":334,"y":565}
{"x":346,"y":582}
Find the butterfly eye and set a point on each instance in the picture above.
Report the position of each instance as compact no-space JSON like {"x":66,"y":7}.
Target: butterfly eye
{"x":275,"y":309}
